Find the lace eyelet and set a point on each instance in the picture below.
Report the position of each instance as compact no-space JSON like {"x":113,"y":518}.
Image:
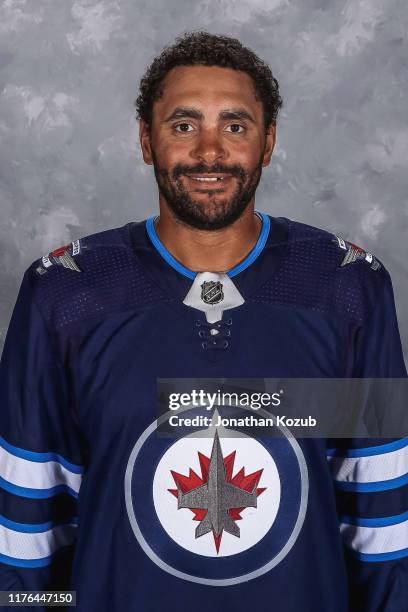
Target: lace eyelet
{"x":201,"y":333}
{"x":228,"y":321}
{"x":198,"y":323}
{"x":227,"y":332}
{"x":204,"y":345}
{"x":226,"y":344}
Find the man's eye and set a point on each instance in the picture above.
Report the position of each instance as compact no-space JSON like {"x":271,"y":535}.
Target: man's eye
{"x":183,"y":127}
{"x":234,"y":127}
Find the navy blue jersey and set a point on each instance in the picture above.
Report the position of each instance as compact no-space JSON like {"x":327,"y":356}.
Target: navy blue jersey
{"x":92,"y":500}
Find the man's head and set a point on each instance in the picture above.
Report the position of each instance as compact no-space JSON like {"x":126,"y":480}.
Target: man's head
{"x":207,"y":108}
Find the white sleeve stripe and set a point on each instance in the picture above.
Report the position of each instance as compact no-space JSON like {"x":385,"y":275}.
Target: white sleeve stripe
{"x":40,"y":457}
{"x":34,"y":475}
{"x":35,"y":546}
{"x":375,"y":468}
{"x":375,"y":540}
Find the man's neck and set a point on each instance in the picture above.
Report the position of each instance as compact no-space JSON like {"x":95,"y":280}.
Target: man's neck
{"x":205,"y":251}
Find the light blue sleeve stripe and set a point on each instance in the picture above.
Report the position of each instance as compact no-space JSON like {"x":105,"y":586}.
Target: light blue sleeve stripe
{"x":375,"y":558}
{"x":34,"y":527}
{"x":40,"y":457}
{"x":369,"y":451}
{"x":36,"y":493}
{"x":29,"y":563}
{"x":369,"y":487}
{"x":374,"y":522}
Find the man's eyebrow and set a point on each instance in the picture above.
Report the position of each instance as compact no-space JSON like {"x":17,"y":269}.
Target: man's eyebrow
{"x":236,"y":113}
{"x":184,"y":111}
{"x":193,"y":113}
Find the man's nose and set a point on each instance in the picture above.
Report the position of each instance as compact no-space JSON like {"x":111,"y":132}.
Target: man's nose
{"x":209,"y":147}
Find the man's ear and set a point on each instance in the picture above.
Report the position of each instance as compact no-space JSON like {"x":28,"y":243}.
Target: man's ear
{"x":144,"y":137}
{"x":269,"y":144}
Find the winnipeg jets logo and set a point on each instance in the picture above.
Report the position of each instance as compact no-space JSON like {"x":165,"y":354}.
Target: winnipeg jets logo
{"x":63,"y":256}
{"x":211,"y":292}
{"x":216,"y":507}
{"x":217,"y":498}
{"x":354,"y":252}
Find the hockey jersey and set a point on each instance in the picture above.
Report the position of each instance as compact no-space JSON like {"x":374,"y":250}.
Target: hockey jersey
{"x":93,"y":500}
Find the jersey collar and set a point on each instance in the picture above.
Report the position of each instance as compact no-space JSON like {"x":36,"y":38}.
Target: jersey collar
{"x":172,"y":261}
{"x":262,"y":262}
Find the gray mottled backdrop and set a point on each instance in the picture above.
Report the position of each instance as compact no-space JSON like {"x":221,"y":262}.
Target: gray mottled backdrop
{"x":70,"y":163}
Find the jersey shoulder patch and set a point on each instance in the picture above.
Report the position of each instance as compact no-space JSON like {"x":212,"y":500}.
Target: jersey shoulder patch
{"x":62,"y":256}
{"x":75,"y":255}
{"x":353,"y":252}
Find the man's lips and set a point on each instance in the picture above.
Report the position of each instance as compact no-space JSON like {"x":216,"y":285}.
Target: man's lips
{"x":213,"y":178}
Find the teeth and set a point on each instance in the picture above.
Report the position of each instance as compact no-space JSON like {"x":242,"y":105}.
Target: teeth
{"x":212,"y":179}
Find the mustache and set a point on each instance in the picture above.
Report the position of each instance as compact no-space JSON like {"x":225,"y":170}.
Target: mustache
{"x":234,"y":170}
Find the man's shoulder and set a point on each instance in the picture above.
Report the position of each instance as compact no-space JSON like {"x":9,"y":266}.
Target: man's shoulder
{"x":95,"y":274}
{"x":332,"y":248}
{"x":326,"y":271}
{"x":80,"y":255}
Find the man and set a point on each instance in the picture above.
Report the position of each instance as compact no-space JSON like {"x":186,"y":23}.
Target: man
{"x":92,"y":498}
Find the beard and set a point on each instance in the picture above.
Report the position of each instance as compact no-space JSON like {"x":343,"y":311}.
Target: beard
{"x":219,"y":210}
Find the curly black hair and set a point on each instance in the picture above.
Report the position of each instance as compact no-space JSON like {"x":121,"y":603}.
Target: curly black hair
{"x":202,"y":48}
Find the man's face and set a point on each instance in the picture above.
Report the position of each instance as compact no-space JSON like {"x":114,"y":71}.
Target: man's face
{"x":207,"y":144}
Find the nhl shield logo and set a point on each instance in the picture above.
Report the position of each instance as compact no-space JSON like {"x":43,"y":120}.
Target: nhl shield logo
{"x":211,"y":292}
{"x":223,"y":508}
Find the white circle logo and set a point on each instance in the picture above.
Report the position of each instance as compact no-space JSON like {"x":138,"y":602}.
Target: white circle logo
{"x":216,"y":509}
{"x":231,"y":472}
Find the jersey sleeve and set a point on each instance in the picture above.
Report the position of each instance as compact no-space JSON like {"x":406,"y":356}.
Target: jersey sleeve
{"x":371,"y":480}
{"x":41,"y":454}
